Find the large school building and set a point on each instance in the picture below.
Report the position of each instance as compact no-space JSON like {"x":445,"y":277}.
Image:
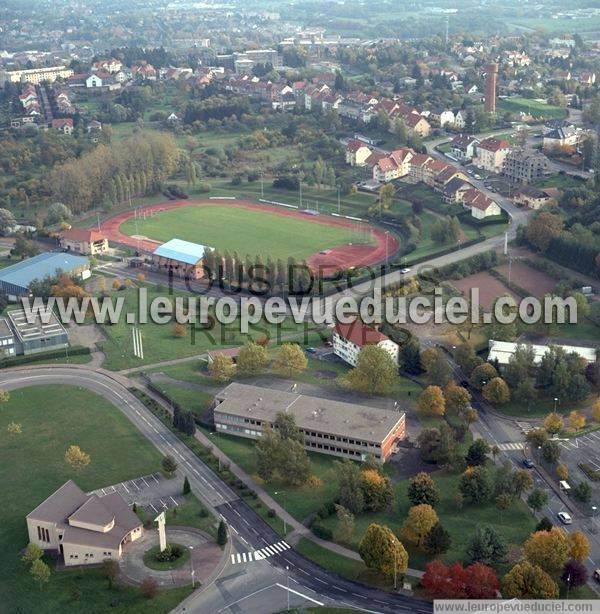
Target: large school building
{"x":331,"y":427}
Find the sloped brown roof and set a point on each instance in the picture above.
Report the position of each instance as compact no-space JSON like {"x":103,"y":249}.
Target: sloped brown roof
{"x":359,"y":333}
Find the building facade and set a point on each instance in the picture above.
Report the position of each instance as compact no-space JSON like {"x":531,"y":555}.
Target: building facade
{"x":330,"y":427}
{"x":350,"y":339}
{"x":84,"y":529}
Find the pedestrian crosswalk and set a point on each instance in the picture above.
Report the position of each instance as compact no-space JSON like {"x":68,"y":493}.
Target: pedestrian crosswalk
{"x":511,"y":446}
{"x":259,"y":555}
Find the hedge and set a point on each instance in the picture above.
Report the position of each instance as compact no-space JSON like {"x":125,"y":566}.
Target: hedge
{"x":23,"y":360}
{"x":590,"y":472}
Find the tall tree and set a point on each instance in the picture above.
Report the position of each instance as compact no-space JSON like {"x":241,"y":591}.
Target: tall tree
{"x":381,"y":550}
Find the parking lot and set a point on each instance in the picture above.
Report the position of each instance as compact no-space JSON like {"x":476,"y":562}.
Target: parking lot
{"x":582,"y":449}
{"x":154,"y":493}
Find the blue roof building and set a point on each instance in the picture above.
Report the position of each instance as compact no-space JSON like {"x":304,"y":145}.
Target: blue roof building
{"x":180,"y":258}
{"x":181,"y":251}
{"x":16,"y":279}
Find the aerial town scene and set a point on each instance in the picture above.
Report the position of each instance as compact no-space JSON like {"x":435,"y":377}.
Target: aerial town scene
{"x":300,"y":306}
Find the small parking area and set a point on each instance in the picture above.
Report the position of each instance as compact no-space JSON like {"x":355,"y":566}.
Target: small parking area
{"x":582,"y":449}
{"x":154,"y":493}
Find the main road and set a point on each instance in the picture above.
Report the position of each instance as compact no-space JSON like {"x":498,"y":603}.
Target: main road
{"x":281,"y":569}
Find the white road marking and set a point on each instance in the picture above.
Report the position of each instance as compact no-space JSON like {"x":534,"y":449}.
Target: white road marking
{"x":303,"y":595}
{"x":233,"y":559}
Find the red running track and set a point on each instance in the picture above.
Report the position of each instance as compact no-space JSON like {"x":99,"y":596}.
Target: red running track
{"x":338,"y":257}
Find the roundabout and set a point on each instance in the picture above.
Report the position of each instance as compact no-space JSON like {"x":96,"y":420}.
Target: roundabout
{"x":199,"y":553}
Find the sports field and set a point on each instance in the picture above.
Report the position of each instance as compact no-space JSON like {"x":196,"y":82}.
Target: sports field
{"x":246,"y":231}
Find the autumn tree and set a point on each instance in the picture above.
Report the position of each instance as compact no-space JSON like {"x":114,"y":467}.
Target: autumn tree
{"x":420,"y":521}
{"x":422,"y":489}
{"x":377,"y":490}
{"x":76,"y":458}
{"x":548,"y":549}
{"x":290,"y":360}
{"x":149,"y":588}
{"x":4,"y":396}
{"x":458,"y":399}
{"x":381,"y":550}
{"x":375,"y":371}
{"x":252,"y":359}
{"x":496,"y":392}
{"x":179,"y":330}
{"x":110,"y":570}
{"x":543,"y":228}
{"x":553,"y":423}
{"x":580,"y":546}
{"x":431,"y":401}
{"x":14,"y":428}
{"x":482,"y":374}
{"x":576,"y":420}
{"x":528,"y":581}
{"x":596,"y":410}
{"x":455,"y":582}
{"x":562,"y":472}
{"x":222,"y":368}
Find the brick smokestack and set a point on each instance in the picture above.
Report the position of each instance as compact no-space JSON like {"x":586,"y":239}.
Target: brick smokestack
{"x":491,"y":77}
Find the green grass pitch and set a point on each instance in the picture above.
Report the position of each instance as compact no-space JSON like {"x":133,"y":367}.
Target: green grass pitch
{"x":243,"y":230}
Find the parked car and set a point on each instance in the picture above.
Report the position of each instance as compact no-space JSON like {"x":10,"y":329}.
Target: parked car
{"x":528,"y":462}
{"x":564,"y":518}
{"x":597,"y":575}
{"x":311,"y":350}
{"x":405,"y":270}
{"x":328,"y":344}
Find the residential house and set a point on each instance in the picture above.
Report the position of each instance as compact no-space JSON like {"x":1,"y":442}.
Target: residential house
{"x":447,"y":175}
{"x":110,"y":65}
{"x":64,"y":125}
{"x":481,"y":206}
{"x":350,"y":339}
{"x":534,"y":198}
{"x":561,"y":138}
{"x":453,"y":191}
{"x":463,"y":147}
{"x":490,"y":154}
{"x":357,"y":153}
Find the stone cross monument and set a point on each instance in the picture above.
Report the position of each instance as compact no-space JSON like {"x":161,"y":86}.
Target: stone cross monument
{"x":162,"y":534}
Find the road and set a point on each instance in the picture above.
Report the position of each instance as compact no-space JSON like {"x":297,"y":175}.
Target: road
{"x":308,"y":583}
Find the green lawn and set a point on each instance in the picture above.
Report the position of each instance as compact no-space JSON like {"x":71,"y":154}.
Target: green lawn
{"x":539,"y":110}
{"x":561,"y":181}
{"x":227,"y":227}
{"x":52,"y":418}
{"x":161,"y":345}
{"x":196,"y":401}
{"x":514,"y":524}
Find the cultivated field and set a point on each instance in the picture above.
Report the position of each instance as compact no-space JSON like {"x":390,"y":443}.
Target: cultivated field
{"x":489,"y":287}
{"x":535,"y":108}
{"x":537,"y":283}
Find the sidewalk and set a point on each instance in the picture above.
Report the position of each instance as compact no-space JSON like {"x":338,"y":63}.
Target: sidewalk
{"x":299,"y":530}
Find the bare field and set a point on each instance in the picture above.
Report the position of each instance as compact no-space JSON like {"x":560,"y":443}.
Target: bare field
{"x":489,"y":287}
{"x":537,"y":283}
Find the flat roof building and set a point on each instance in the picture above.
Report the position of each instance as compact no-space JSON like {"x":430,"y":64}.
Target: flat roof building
{"x":502,"y":351}
{"x":331,"y":427}
{"x":84,"y":529}
{"x":16,"y":279}
{"x":36,"y":336}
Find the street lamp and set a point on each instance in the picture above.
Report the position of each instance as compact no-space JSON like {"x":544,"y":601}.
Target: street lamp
{"x":287,"y":572}
{"x":192,"y":564}
{"x":282,"y":493}
{"x":555,"y":402}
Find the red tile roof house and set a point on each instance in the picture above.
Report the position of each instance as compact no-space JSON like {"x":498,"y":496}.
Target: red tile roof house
{"x":357,"y":153}
{"x":350,"y":339}
{"x":481,"y":206}
{"x":82,"y":241}
{"x":63,"y":125}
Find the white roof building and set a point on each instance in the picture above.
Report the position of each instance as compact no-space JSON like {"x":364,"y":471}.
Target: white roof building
{"x":502,"y":351}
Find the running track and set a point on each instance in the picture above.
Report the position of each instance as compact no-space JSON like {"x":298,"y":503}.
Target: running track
{"x":338,"y":257}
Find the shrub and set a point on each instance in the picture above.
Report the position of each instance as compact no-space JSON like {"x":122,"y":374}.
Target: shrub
{"x":321,"y":531}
